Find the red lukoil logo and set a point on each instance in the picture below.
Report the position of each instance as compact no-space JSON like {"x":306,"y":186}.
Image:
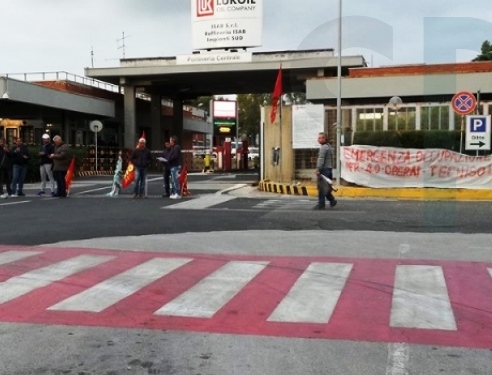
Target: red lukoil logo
{"x":204,"y":8}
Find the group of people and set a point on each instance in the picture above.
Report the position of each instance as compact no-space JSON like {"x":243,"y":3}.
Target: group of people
{"x":171,"y":158}
{"x":54,"y":160}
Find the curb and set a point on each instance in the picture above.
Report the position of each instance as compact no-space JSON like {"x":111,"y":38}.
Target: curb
{"x":393,"y":193}
{"x":94,"y":173}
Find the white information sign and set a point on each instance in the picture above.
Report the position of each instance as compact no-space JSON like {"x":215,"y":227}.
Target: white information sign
{"x":477,"y":132}
{"x":307,"y":122}
{"x":219,"y":24}
{"x":215,"y":58}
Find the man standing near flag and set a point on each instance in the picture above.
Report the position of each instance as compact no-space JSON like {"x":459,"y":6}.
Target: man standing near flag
{"x":141,"y":159}
{"x":61,"y":161}
{"x":46,"y":165}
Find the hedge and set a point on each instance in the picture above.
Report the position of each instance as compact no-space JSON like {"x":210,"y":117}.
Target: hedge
{"x":445,"y":139}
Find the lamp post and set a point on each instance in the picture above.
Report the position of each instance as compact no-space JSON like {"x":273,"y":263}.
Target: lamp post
{"x":339,"y":95}
{"x":395,"y":103}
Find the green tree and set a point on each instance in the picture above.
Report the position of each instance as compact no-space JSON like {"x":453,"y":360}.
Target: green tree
{"x":486,"y":52}
{"x":249,"y":116}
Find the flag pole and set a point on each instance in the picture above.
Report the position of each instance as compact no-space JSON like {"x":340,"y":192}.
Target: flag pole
{"x":280,"y":131}
{"x":339,"y":96}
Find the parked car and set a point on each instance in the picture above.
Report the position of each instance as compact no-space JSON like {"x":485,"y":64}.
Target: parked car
{"x":253,"y":152}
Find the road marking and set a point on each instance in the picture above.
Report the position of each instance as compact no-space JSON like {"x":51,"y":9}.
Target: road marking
{"x":420,"y":299}
{"x":113,"y":290}
{"x":213,"y":292}
{"x":398,"y":356}
{"x":12,"y":256}
{"x":30,"y":281}
{"x":13,"y":203}
{"x":490,"y":271}
{"x":315,"y":294}
{"x":205,"y":201}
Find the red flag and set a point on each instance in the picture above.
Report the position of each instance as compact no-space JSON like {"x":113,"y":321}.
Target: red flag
{"x":70,"y":174}
{"x":129,"y":176}
{"x":183,"y":176}
{"x":277,"y":93}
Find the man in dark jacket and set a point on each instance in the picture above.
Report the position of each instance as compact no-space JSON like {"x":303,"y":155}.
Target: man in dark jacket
{"x":324,"y":166}
{"x":166,"y":169}
{"x":141,"y":159}
{"x":5,"y":169}
{"x":61,"y":162}
{"x":20,"y":155}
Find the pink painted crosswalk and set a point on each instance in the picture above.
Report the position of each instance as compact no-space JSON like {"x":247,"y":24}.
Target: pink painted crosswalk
{"x":378,"y":300}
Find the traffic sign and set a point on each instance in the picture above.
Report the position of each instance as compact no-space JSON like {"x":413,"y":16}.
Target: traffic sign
{"x":477,"y":132}
{"x":464,"y":102}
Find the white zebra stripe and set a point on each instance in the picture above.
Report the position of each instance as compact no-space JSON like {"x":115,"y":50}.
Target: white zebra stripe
{"x":208,"y":296}
{"x":113,"y":290}
{"x":205,"y":201}
{"x":315,"y":294}
{"x":14,"y":255}
{"x":30,"y":281}
{"x":420,"y":299}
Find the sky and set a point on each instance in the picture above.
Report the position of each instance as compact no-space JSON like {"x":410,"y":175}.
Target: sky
{"x":69,"y":35}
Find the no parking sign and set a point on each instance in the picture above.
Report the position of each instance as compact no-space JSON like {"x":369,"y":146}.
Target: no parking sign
{"x":464,"y":102}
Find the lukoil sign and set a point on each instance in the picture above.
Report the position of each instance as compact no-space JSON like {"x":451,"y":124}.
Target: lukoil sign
{"x":220,"y":24}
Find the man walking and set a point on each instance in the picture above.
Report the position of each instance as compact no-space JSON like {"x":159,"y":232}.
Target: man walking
{"x":324,"y":166}
{"x":5,"y":170}
{"x":46,"y":165}
{"x":175,"y":167}
{"x":141,"y":159}
{"x":20,"y":155}
{"x":61,"y":162}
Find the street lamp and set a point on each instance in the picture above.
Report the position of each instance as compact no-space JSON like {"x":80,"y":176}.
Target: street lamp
{"x":395,"y":104}
{"x":339,"y":95}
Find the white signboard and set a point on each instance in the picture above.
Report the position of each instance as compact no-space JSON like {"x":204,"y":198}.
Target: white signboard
{"x":307,"y":122}
{"x":215,"y":58}
{"x":219,"y":24}
{"x":389,"y":167}
{"x":477,"y":133}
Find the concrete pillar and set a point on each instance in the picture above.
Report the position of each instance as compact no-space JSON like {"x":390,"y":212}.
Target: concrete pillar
{"x":130,"y":116}
{"x":65,"y":125}
{"x":157,"y":141}
{"x":178,"y":119}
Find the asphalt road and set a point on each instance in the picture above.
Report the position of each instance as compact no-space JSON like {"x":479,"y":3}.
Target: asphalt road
{"x":225,"y":220}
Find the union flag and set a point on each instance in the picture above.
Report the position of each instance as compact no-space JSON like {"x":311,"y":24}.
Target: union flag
{"x":70,"y":174}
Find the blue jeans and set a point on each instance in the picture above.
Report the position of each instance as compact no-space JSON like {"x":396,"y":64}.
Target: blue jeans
{"x":18,"y":177}
{"x":140,"y":178}
{"x":321,"y":193}
{"x":175,"y":188}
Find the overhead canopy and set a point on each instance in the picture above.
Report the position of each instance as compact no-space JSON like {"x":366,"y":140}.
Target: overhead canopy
{"x":19,"y":99}
{"x":166,"y":77}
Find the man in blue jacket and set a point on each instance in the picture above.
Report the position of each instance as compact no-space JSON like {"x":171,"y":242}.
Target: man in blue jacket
{"x":20,"y":155}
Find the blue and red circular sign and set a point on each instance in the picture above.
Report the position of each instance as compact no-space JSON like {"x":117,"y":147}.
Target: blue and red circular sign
{"x":464,"y":102}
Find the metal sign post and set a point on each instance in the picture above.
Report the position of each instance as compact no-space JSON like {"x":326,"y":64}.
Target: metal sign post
{"x":464,"y":103}
{"x":96,"y":126}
